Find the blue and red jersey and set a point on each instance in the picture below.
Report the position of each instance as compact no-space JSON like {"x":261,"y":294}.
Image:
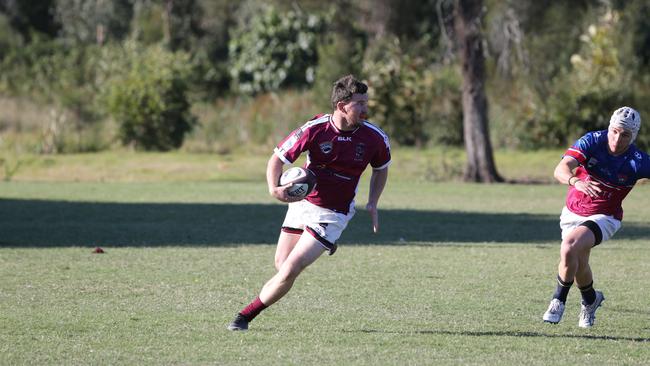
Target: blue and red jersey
{"x":616,"y":175}
{"x":337,"y":158}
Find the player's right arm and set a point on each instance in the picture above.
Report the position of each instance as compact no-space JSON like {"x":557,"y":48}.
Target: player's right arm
{"x":564,"y":170}
{"x":286,"y":153}
{"x":273,"y":172}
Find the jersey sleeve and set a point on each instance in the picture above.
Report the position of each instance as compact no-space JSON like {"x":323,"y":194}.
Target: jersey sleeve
{"x":289,"y":149}
{"x":581,"y":149}
{"x":644,"y":164}
{"x":382,"y":158}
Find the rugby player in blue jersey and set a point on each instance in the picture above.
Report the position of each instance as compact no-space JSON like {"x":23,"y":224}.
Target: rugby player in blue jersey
{"x":600,"y":169}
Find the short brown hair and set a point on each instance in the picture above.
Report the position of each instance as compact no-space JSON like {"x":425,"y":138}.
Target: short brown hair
{"x":345,"y":87}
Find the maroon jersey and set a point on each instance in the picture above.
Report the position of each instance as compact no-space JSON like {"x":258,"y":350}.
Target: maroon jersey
{"x":336,"y":157}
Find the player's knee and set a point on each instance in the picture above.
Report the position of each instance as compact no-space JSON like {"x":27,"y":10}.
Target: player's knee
{"x":278,"y":263}
{"x":572,"y":248}
{"x":289,"y":272}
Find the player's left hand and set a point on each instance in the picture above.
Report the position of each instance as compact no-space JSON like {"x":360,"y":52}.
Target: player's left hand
{"x":588,"y":187}
{"x":372,"y":209}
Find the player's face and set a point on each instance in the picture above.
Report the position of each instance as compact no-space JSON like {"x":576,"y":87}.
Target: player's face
{"x":356,"y":109}
{"x":618,"y":140}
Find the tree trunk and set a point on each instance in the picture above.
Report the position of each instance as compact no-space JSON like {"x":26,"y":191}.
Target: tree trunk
{"x":480,"y":162}
{"x":167,"y":22}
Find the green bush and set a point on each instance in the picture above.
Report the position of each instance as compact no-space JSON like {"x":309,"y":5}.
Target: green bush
{"x":596,"y":85}
{"x":415,"y":101}
{"x":149,"y":99}
{"x":67,"y":81}
{"x":340,"y":52}
{"x":581,"y":97}
{"x":274,"y":50}
{"x":9,"y":38}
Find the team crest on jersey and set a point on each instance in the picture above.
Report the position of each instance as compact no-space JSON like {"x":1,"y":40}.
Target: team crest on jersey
{"x":638,"y":155}
{"x":326,"y":147}
{"x":359,"y":150}
{"x":592,"y":162}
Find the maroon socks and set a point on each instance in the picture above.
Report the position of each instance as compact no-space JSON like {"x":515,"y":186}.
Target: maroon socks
{"x":253,"y":309}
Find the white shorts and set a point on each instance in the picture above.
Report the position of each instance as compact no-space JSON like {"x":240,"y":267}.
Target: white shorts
{"x":608,"y":224}
{"x":323,"y":224}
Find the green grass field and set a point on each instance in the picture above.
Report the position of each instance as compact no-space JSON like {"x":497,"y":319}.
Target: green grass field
{"x":459,"y":274}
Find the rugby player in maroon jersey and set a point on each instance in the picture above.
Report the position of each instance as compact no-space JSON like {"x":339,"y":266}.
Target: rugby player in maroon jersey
{"x":339,"y":147}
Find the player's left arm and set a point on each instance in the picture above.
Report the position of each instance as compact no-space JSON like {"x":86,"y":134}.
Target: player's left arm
{"x":644,"y":161}
{"x":377,"y":183}
{"x":380,"y":162}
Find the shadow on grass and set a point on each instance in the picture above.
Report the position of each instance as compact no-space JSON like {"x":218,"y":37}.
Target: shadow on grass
{"x":511,"y":334}
{"x":43,"y":223}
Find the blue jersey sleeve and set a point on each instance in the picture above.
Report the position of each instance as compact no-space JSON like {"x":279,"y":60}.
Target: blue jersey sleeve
{"x":584,"y":147}
{"x":643,"y":163}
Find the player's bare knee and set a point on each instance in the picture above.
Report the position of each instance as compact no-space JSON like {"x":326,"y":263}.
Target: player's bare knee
{"x":289,"y":272}
{"x":569,"y":247}
{"x":279,"y":262}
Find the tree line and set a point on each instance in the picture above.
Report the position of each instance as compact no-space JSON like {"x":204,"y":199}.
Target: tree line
{"x":551,"y":69}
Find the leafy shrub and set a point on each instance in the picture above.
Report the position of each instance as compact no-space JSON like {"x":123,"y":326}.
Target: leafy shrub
{"x":67,"y":81}
{"x":149,"y":99}
{"x":274,"y":50}
{"x":583,"y":95}
{"x":413,"y":100}
{"x":340,"y":52}
{"x":9,"y":38}
{"x":255,"y":123}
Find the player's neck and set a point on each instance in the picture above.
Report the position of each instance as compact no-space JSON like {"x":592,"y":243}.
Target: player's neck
{"x":342,"y":123}
{"x":617,"y":153}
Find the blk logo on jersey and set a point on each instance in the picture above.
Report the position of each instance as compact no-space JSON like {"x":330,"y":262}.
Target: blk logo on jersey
{"x":359,"y":150}
{"x":344,"y":138}
{"x":326,"y":147}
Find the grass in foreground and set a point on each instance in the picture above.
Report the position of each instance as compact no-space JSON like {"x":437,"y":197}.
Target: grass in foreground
{"x":460,"y":274}
{"x":423,"y":304}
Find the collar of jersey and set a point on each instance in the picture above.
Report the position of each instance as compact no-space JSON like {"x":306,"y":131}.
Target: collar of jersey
{"x":341,"y":132}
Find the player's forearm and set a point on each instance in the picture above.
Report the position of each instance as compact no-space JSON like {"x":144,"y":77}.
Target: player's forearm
{"x":564,"y":171}
{"x":273,"y":172}
{"x":377,"y":183}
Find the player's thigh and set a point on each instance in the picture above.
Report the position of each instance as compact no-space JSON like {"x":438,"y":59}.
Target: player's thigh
{"x":286,"y":243}
{"x":306,"y":251}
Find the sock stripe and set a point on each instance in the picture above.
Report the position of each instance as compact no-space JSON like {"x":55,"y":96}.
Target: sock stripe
{"x":562,"y":283}
{"x":562,"y":289}
{"x":589,"y":287}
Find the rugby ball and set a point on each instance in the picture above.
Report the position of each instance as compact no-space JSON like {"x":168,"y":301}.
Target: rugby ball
{"x":302,"y":181}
